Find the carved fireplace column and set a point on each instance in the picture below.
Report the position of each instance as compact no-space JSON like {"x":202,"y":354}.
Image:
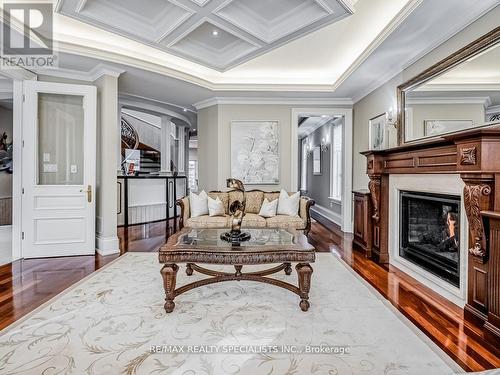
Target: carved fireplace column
{"x":378,"y":187}
{"x":478,"y":196}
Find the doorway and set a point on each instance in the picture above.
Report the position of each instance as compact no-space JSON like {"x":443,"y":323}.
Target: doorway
{"x":59,"y":169}
{"x":6,"y":169}
{"x":322,"y":162}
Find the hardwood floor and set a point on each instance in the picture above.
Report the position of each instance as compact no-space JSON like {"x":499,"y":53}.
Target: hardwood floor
{"x":25,"y":285}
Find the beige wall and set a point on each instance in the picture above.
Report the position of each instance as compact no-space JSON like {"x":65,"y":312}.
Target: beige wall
{"x":214,"y":141}
{"x":208,"y":144}
{"x":423,"y":112}
{"x":384,"y":97}
{"x":281,"y":113}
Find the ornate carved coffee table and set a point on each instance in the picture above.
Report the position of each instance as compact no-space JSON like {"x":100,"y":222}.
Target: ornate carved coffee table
{"x":266,"y":246}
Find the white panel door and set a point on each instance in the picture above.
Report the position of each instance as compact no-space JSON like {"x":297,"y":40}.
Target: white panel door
{"x":59,"y":168}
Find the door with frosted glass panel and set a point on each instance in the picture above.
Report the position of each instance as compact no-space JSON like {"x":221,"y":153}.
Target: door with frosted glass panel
{"x":59,"y":157}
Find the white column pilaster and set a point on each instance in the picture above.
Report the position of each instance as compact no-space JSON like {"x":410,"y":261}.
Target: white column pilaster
{"x":165,"y":144}
{"x":119,"y":148}
{"x":182,"y":150}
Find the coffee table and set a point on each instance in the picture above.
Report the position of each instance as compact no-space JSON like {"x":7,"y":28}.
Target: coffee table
{"x":266,"y":246}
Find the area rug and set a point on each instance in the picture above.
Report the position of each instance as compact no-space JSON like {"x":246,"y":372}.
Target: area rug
{"x":113,"y":322}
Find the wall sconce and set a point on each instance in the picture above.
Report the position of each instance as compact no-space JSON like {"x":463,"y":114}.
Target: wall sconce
{"x":390,"y":119}
{"x":324,"y":145}
{"x":309,"y":148}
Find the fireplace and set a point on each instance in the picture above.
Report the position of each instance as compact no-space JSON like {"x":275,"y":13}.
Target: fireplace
{"x":430,"y":233}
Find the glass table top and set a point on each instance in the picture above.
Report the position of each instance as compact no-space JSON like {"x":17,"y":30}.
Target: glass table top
{"x":265,"y":238}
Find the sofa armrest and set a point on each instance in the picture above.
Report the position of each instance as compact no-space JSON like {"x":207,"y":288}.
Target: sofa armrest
{"x":183,"y":203}
{"x":304,"y":212}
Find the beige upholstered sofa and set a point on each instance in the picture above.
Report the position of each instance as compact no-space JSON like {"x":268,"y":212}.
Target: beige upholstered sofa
{"x":254,"y":199}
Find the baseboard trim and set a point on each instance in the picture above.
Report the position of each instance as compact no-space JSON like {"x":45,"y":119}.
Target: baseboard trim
{"x":327,"y":214}
{"x":5,"y":244}
{"x":107,"y":245}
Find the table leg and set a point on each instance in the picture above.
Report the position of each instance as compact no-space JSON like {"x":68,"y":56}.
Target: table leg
{"x":304,"y":271}
{"x":169,"y":274}
{"x":189,"y":269}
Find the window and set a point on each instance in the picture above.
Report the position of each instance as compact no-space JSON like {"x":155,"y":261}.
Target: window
{"x":193,"y":175}
{"x":303,"y":165}
{"x":336,"y":172}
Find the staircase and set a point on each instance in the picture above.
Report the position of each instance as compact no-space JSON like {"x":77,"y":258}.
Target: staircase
{"x":150,"y":161}
{"x":150,"y":157}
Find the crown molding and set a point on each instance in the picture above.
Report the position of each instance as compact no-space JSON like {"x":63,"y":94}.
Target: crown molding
{"x":493,"y":109}
{"x":460,"y":87}
{"x":273,"y":101}
{"x":360,"y":94}
{"x":92,"y":75}
{"x":484,"y":100}
{"x":380,"y":38}
{"x":151,"y":105}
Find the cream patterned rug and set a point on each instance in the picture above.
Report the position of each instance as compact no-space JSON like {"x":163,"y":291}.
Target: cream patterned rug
{"x":108,"y":323}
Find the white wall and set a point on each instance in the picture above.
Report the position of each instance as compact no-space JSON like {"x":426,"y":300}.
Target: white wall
{"x":383,"y":98}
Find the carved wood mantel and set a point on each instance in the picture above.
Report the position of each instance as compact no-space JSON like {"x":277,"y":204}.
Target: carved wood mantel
{"x":475,"y":156}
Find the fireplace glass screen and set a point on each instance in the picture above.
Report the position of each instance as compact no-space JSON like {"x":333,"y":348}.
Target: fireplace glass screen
{"x":430,"y":233}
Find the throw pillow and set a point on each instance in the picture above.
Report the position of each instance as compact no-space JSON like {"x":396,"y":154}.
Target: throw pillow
{"x":215,"y":207}
{"x":288,"y":205}
{"x":268,"y":209}
{"x":198,"y":203}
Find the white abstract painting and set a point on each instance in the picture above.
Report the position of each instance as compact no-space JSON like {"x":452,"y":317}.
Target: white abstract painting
{"x":255,"y":152}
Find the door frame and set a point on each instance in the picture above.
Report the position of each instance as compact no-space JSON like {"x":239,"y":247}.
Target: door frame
{"x":89,"y":92}
{"x":346,"y":113}
{"x":18,"y":76}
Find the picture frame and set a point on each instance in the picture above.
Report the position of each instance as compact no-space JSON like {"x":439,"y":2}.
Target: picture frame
{"x":438,"y":127}
{"x":378,"y":136}
{"x":317,"y":161}
{"x":255,"y":151}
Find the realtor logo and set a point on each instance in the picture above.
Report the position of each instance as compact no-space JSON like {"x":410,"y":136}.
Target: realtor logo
{"x":27,"y":35}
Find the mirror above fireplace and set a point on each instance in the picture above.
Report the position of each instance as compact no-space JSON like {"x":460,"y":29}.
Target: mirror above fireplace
{"x":458,"y":93}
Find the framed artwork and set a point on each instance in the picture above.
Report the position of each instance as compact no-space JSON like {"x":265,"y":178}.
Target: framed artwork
{"x":377,"y":132}
{"x":255,"y":158}
{"x":437,"y":127}
{"x":317,"y":161}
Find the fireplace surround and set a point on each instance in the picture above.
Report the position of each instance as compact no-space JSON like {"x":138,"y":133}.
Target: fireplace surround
{"x":442,"y":192}
{"x":472,"y":157}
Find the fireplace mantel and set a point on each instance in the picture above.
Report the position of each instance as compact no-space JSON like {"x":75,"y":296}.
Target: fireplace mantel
{"x":475,"y":156}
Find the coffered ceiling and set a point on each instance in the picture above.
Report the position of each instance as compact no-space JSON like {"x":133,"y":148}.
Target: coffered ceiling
{"x":219,"y":34}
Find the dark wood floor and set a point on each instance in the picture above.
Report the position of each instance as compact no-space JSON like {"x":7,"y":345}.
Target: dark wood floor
{"x":25,"y":285}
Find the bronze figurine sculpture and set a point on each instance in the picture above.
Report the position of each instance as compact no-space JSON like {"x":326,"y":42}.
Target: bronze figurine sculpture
{"x":237,"y":211}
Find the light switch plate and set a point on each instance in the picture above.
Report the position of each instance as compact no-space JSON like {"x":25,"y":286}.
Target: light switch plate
{"x":73,"y":168}
{"x":46,"y":157}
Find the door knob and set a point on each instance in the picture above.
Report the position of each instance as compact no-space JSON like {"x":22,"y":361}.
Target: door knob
{"x":88,"y":190}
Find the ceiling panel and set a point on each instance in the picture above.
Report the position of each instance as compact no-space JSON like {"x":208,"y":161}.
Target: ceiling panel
{"x":212,"y":45}
{"x":131,"y":17}
{"x":219,"y":34}
{"x":270,"y":21}
{"x":200,"y":2}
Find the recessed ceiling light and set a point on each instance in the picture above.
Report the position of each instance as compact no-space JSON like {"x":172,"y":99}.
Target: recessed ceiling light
{"x":324,"y":116}
{"x":185,"y":110}
{"x":215,"y":33}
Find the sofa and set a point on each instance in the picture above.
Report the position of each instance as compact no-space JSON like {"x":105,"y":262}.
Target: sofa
{"x":254,"y":199}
